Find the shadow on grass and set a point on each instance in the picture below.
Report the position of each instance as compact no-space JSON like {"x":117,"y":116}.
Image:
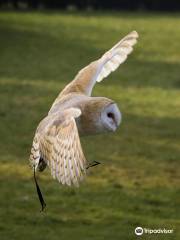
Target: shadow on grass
{"x":37,"y":54}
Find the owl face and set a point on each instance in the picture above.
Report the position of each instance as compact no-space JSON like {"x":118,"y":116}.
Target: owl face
{"x":110,"y":117}
{"x":99,"y":115}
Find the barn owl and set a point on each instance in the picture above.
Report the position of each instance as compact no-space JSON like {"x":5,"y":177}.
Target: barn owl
{"x":75,"y":113}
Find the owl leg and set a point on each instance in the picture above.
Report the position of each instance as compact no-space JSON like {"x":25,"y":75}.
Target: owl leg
{"x":43,"y":204}
{"x":92,"y":164}
{"x":42,"y":164}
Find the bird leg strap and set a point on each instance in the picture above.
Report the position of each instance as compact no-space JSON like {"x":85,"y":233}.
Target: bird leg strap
{"x":43,"y":204}
{"x":92,"y":164}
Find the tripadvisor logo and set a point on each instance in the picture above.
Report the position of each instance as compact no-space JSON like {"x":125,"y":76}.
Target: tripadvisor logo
{"x":139,"y":231}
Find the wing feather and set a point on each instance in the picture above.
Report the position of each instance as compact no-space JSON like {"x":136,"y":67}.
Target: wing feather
{"x":62,"y":150}
{"x":111,"y":60}
{"x":101,"y":68}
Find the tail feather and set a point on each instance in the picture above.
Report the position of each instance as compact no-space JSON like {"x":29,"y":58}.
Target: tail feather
{"x":35,"y":155}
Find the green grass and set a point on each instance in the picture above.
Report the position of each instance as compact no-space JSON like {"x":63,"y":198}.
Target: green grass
{"x":137,"y":183}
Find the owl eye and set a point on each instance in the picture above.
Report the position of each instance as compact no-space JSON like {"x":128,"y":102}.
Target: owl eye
{"x":110,"y":115}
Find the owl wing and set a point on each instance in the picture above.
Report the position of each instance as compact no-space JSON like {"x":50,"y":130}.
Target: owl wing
{"x":60,"y":148}
{"x":101,"y":68}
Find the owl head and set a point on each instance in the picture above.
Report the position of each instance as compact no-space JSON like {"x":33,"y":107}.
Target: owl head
{"x":110,"y":117}
{"x":99,"y":115}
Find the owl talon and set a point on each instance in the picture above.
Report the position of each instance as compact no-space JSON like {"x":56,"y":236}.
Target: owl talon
{"x":92,"y":164}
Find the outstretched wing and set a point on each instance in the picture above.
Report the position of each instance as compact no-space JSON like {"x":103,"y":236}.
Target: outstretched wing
{"x":98,"y":70}
{"x":60,"y":148}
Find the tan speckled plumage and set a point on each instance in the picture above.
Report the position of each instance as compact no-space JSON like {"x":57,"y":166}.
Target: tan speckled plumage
{"x":56,"y":142}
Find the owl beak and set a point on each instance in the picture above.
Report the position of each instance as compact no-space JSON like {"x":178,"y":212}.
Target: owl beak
{"x":116,"y":123}
{"x":118,"y":120}
{"x":114,"y":114}
{"x":117,"y":115}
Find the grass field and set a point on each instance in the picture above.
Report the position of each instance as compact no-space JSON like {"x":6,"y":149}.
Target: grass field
{"x":137,"y":183}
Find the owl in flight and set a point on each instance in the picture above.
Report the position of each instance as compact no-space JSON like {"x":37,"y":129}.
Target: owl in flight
{"x":75,"y":112}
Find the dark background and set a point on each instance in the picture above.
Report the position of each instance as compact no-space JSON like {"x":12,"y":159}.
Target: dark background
{"x":150,"y":5}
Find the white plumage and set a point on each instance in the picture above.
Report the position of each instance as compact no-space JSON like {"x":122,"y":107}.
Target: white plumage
{"x":56,"y":142}
{"x":111,"y":60}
